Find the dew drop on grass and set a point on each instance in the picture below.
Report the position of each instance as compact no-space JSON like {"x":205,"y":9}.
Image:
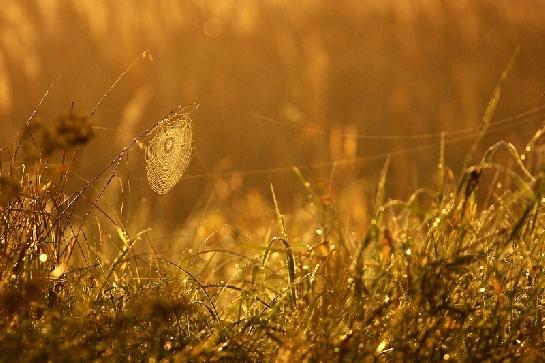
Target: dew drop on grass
{"x":43,"y":257}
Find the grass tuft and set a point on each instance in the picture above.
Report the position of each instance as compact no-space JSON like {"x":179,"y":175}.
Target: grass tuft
{"x":453,"y":273}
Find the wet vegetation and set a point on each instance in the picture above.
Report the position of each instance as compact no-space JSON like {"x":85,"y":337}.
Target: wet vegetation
{"x":450,"y":273}
{"x":292,"y":235}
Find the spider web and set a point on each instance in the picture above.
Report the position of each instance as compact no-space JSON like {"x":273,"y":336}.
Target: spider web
{"x":168,"y":151}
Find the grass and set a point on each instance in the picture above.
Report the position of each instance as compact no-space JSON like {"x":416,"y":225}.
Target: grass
{"x":454,"y":273}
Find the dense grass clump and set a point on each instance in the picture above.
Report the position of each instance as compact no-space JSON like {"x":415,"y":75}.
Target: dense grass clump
{"x":454,"y":273}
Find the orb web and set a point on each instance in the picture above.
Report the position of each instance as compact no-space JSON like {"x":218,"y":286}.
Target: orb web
{"x":168,"y":151}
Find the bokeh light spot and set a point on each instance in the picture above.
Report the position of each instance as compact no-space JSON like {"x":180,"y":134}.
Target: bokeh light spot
{"x":212,"y":28}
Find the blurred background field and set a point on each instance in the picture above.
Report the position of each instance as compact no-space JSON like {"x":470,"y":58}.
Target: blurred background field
{"x":257,"y":68}
{"x":319,"y":217}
